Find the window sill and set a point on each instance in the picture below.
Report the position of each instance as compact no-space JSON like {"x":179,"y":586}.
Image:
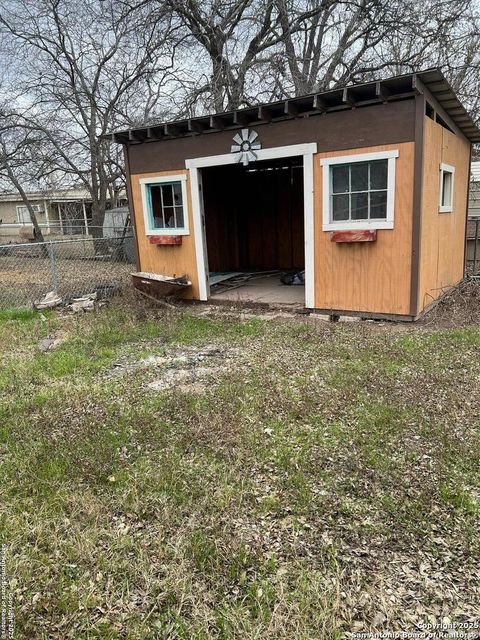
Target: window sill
{"x":361,"y":225}
{"x":445,"y":210}
{"x":167,"y":232}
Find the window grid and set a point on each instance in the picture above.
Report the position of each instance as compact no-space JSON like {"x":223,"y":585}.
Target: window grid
{"x":175,"y":209}
{"x":350,"y":192}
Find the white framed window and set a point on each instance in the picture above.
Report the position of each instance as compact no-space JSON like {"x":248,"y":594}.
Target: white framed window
{"x":164,"y":201}
{"x":359,"y":191}
{"x":447,"y":178}
{"x":23,"y":216}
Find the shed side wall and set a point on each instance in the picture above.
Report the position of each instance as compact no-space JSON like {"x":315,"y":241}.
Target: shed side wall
{"x":368,"y":276}
{"x":167,"y":260}
{"x":443,"y":234}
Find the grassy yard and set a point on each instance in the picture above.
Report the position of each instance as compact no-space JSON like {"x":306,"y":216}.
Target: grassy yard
{"x":201,"y":475}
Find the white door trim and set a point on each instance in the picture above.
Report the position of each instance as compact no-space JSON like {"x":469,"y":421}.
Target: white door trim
{"x":309,"y":226}
{"x":195,"y":164}
{"x":199,"y":234}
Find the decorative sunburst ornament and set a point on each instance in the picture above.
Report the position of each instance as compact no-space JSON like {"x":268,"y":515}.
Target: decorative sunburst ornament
{"x":245,"y":144}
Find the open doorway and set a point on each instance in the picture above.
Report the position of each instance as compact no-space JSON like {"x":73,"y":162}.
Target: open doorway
{"x":254,"y":231}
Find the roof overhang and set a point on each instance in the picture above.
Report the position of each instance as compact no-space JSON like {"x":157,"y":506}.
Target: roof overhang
{"x":431,"y":82}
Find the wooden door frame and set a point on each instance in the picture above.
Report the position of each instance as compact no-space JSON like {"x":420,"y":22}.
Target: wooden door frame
{"x":194,"y":166}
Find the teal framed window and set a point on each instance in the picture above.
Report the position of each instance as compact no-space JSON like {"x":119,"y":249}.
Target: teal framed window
{"x":165,"y":205}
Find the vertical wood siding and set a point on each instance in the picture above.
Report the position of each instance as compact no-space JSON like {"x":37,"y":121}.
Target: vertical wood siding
{"x":442,"y":234}
{"x":369,"y":276}
{"x":167,"y":260}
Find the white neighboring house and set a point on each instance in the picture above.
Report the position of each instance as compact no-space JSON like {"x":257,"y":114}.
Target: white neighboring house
{"x":473,"y":223}
{"x":474,"y":193}
{"x":59,"y":212}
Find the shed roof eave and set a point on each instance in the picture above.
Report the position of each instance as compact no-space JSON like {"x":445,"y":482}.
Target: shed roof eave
{"x":353,"y":96}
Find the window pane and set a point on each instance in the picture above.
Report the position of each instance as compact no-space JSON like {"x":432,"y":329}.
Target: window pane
{"x":340,"y":178}
{"x":359,"y":206}
{"x":179,"y":214}
{"x":167,"y":195}
{"x":177,"y":193}
{"x":169,"y":217}
{"x":378,"y":204}
{"x":360,"y":176}
{"x":447,"y":189}
{"x":156,"y":213}
{"x":340,"y":207}
{"x":378,"y":174}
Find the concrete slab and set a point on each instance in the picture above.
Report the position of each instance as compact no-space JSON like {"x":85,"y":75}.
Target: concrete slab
{"x":266,"y":290}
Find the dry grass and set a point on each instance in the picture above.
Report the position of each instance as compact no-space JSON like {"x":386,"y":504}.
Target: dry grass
{"x":324,"y":481}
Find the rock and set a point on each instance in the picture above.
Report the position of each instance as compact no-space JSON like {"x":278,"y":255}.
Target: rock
{"x":50,"y":300}
{"x":85,"y":303}
{"x":50,"y":343}
{"x":46,"y":344}
{"x":152,"y":361}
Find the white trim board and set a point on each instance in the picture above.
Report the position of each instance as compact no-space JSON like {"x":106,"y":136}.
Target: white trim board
{"x":262,"y":154}
{"x":348,"y":225}
{"x":446,"y":208}
{"x":195,"y":164}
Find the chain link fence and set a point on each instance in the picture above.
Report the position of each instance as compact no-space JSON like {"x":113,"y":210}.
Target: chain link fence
{"x":473,"y":246}
{"x":70,"y":268}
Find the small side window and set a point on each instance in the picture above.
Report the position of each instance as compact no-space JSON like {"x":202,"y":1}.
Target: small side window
{"x":447,"y":176}
{"x":164,"y":205}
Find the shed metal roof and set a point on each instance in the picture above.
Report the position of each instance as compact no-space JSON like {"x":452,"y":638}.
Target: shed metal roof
{"x":431,"y":81}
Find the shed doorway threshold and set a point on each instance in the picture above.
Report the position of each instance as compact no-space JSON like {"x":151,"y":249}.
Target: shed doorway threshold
{"x":258,"y":288}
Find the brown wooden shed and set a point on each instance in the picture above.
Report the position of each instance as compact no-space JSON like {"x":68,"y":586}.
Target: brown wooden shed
{"x":364,"y":189}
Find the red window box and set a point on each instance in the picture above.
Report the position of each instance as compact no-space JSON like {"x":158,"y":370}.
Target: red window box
{"x":367,"y":235}
{"x":165,"y":240}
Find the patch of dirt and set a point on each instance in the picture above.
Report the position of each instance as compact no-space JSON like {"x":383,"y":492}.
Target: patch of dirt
{"x":186,"y":369}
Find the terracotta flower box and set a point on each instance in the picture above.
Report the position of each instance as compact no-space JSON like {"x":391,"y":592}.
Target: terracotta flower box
{"x":165,"y":240}
{"x":367,"y":235}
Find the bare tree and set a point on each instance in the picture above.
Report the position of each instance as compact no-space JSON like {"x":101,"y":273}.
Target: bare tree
{"x":19,"y":161}
{"x":261,"y":49}
{"x":89,"y":67}
{"x":83,"y":62}
{"x":233,"y":36}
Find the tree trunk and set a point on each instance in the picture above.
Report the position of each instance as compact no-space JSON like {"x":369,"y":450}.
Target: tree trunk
{"x":38,"y":235}
{"x":96,"y":228}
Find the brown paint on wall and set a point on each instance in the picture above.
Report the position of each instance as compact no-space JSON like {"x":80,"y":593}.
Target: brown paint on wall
{"x":417,"y":202}
{"x":166,"y":260}
{"x":443,"y":234}
{"x":362,"y":127}
{"x":371,"y":276}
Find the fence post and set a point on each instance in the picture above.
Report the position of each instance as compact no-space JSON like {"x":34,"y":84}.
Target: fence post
{"x":475,"y":249}
{"x":53,"y":267}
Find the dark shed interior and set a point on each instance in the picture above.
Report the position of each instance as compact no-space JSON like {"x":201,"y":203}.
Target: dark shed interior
{"x":254,"y":216}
